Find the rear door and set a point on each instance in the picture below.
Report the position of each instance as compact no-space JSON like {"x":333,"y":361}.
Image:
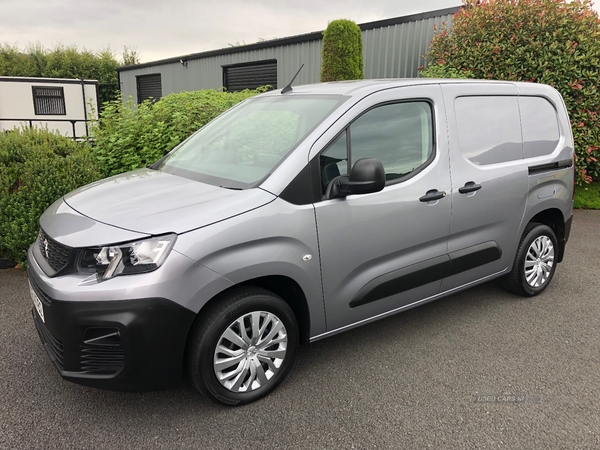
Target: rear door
{"x":385,"y":250}
{"x":489,"y":179}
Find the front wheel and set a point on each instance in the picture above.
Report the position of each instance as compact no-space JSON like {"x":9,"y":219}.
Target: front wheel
{"x":243,"y":348}
{"x":535,"y":261}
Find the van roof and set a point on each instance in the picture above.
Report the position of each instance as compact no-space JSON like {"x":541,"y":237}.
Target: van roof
{"x":365,"y":87}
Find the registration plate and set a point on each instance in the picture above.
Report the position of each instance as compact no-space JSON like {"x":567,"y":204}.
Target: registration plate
{"x":37,"y":303}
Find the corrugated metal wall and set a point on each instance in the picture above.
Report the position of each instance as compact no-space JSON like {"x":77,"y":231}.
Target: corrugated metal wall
{"x":397,"y":51}
{"x":389,"y":52}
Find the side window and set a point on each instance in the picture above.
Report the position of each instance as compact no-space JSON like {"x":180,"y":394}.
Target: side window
{"x":334,"y":161}
{"x":400,"y":135}
{"x":540,"y":126}
{"x":489,"y":130}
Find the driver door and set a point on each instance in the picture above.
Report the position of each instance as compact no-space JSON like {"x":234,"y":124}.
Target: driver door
{"x":383,"y":251}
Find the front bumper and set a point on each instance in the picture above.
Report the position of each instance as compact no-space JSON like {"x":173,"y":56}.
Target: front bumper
{"x":131,"y":345}
{"x":124,"y":345}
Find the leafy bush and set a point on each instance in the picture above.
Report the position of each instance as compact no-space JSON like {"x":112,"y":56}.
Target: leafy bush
{"x":342,"y":57}
{"x":444,"y":71}
{"x":66,"y":62}
{"x":556,"y":42}
{"x":36,"y":168}
{"x":129,"y":137}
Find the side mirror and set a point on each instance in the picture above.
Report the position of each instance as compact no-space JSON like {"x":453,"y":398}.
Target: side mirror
{"x":367,"y":176}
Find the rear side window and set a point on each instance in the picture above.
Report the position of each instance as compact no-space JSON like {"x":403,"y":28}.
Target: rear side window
{"x":540,"y":126}
{"x":489,"y":131}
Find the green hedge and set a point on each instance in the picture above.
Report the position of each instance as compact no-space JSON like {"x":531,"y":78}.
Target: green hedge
{"x":64,"y":62}
{"x":555,"y":42}
{"x":342,"y":57}
{"x":129,"y":137}
{"x":36,"y":168}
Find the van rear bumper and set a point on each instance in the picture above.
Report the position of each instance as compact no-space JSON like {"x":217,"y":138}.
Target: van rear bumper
{"x":562,"y":241}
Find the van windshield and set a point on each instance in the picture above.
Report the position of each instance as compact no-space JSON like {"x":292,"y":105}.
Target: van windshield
{"x":244,"y":145}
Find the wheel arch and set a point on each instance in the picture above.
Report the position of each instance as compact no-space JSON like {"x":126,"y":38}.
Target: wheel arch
{"x":553,"y":218}
{"x":285,"y":287}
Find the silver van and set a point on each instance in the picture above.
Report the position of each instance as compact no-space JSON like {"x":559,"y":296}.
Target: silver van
{"x":296,"y":215}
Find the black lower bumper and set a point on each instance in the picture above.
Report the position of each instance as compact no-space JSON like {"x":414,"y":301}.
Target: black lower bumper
{"x":562,"y":241}
{"x":129,"y":345}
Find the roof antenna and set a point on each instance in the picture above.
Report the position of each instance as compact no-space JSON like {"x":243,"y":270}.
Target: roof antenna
{"x":288,"y":88}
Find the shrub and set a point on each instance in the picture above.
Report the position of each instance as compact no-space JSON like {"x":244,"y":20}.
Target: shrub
{"x":556,"y":42}
{"x":36,"y":168}
{"x":342,"y":57}
{"x":66,"y":62}
{"x":444,"y":71}
{"x":129,"y":137}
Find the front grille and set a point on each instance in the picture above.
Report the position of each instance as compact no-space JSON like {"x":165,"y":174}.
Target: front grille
{"x":56,"y":254}
{"x":102,"y":361}
{"x":53,"y":345}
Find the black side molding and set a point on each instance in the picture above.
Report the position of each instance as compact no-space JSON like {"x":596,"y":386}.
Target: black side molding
{"x":558,"y":165}
{"x":402,"y":280}
{"x":426,"y":272}
{"x":475,"y":256}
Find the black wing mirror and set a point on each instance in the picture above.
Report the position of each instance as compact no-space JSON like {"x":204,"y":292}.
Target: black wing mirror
{"x":367,"y":176}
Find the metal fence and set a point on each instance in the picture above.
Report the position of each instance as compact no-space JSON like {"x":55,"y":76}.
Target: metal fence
{"x":73,"y":123}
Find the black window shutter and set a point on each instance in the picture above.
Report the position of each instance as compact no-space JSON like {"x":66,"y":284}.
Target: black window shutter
{"x":149,"y":86}
{"x":49,"y":100}
{"x":250,"y":76}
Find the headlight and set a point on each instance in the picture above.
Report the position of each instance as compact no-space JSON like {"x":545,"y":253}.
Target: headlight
{"x":125,"y":259}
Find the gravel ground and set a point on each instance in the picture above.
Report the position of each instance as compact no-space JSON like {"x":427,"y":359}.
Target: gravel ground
{"x":409,"y":381}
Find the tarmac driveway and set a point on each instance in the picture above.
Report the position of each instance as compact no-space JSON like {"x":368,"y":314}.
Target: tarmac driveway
{"x":480,"y":369}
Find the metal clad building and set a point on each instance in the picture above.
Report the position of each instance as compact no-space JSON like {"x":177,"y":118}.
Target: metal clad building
{"x":392,"y":48}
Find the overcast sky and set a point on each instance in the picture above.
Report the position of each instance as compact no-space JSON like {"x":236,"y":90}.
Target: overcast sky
{"x":159,"y":29}
{"x":164,"y":28}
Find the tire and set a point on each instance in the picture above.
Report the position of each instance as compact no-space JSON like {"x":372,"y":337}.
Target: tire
{"x":535,"y":262}
{"x":244,"y":369}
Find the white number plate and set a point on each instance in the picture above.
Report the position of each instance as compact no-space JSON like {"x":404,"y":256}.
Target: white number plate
{"x":37,"y":303}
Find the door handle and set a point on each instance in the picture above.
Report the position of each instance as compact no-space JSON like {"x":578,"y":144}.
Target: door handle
{"x":469,"y":187}
{"x":432,"y":196}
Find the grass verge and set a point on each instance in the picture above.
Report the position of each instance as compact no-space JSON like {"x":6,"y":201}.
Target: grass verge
{"x":587,"y":197}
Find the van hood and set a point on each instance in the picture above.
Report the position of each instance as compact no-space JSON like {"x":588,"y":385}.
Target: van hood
{"x":154,"y":202}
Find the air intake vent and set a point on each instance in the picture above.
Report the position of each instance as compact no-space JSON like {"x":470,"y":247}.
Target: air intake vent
{"x":101,"y":351}
{"x":102,"y":361}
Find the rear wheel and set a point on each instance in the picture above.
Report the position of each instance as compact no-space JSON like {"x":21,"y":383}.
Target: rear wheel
{"x":535,"y":261}
{"x":243,"y":348}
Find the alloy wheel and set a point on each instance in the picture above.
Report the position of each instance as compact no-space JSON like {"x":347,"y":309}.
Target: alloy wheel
{"x":539,"y":261}
{"x":250,"y":351}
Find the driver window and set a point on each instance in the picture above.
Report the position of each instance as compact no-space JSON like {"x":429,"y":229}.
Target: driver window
{"x":400,"y":135}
